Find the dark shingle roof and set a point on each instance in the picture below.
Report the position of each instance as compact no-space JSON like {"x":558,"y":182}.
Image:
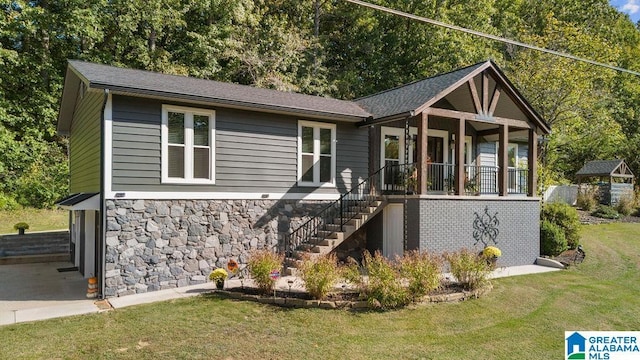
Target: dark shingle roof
{"x":75,"y":199}
{"x":183,"y":87}
{"x":407,"y":98}
{"x":599,"y":167}
{"x":399,"y":102}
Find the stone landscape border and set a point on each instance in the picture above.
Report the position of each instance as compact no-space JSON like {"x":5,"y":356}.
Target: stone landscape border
{"x":291,"y":302}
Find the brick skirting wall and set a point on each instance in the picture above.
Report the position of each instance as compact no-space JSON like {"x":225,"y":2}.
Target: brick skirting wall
{"x":447,"y":224}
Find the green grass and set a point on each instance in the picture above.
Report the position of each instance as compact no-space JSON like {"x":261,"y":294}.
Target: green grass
{"x":38,"y":219}
{"x":522,"y":317}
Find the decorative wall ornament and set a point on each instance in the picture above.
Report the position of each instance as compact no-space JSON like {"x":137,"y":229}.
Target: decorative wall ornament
{"x":485,"y":228}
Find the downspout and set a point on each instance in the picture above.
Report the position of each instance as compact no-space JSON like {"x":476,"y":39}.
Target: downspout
{"x":101,"y":248}
{"x":405,"y":225}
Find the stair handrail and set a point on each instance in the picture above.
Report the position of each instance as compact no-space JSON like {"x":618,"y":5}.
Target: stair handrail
{"x":303,"y":233}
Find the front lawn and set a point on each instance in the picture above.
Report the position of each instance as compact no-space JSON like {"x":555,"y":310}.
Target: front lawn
{"x":522,"y":317}
{"x":38,"y":219}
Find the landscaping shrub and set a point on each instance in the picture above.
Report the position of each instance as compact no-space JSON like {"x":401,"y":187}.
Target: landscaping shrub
{"x":351,"y":272}
{"x":261,"y":264}
{"x":626,"y":204}
{"x":8,"y":203}
{"x":320,"y":275}
{"x":552,"y":239}
{"x":384,"y":287}
{"x":422,"y":271}
{"x":471,"y":270}
{"x":606,"y":212}
{"x":566,"y":217}
{"x":587,"y":198}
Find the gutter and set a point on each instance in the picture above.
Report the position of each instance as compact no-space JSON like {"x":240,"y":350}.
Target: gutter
{"x":101,"y":248}
{"x":386,"y":119}
{"x":232,"y":103}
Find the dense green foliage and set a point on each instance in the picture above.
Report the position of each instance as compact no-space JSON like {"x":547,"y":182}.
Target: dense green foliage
{"x":566,"y":217}
{"x":552,"y":239}
{"x":606,"y":212}
{"x":324,"y":47}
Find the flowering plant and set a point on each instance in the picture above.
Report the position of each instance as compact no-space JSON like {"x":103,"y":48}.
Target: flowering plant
{"x":491,"y":252}
{"x":218,"y":274}
{"x":232,"y":266}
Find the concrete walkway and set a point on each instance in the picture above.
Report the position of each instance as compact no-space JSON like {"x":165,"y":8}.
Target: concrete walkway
{"x":30,"y":292}
{"x":38,"y":291}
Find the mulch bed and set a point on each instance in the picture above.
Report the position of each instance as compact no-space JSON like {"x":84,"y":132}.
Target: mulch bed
{"x":587,"y":219}
{"x":346,"y":295}
{"x":567,"y":257}
{"x":347,"y":299}
{"x":295,"y":294}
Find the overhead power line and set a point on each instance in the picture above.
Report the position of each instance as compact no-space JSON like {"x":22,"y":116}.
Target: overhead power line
{"x":488,"y":36}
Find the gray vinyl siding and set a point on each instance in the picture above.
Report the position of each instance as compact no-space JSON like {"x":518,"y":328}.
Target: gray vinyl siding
{"x":84,"y":145}
{"x":487,"y":153}
{"x":254,"y":152}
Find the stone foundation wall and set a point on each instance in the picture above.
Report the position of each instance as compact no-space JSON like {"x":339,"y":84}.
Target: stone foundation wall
{"x":153,"y":245}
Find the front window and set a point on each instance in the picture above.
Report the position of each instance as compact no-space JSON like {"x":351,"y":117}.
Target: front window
{"x":187,"y":145}
{"x":316,"y":153}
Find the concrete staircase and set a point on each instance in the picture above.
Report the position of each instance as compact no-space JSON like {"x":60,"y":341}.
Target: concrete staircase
{"x":331,"y":233}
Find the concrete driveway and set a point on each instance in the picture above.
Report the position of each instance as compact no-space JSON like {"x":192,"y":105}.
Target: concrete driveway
{"x":38,"y":291}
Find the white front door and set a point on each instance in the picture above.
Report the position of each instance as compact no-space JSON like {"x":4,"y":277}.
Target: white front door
{"x":393,"y":234}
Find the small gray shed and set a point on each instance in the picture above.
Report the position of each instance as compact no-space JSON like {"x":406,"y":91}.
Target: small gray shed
{"x":613,"y":177}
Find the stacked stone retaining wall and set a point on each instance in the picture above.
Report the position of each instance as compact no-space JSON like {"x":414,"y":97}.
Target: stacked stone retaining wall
{"x":34,"y":244}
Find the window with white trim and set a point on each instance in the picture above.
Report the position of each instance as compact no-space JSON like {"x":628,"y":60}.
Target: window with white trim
{"x":512,"y":155}
{"x":316,"y":154}
{"x":188,"y":145}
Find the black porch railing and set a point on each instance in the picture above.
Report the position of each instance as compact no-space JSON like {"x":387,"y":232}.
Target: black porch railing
{"x":518,"y":181}
{"x":481,"y":180}
{"x":336,"y":215}
{"x":478,"y":180}
{"x":440,"y":177}
{"x":398,"y":179}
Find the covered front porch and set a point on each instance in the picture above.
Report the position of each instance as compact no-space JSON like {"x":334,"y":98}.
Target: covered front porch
{"x":452,"y":160}
{"x":466,"y":133}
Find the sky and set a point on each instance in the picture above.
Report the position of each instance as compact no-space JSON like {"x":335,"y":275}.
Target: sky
{"x":631,"y":7}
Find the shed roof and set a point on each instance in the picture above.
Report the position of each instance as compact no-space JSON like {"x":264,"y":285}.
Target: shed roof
{"x":80,"y":201}
{"x":615,"y":167}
